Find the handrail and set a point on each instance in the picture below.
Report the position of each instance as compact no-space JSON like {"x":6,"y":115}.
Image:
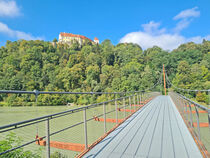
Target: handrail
{"x":22,"y":124}
{"x":43,"y":118}
{"x":196,"y":104}
{"x":36,"y":92}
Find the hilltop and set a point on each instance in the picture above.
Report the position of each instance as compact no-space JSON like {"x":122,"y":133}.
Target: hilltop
{"x":30,"y":65}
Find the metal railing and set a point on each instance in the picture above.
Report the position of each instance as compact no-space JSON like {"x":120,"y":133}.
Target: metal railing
{"x":77,"y":125}
{"x":198,"y":120}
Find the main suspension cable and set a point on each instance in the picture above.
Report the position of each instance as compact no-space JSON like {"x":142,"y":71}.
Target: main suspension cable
{"x":193,"y":90}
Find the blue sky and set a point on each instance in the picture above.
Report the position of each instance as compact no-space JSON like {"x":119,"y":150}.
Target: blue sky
{"x":145,"y":22}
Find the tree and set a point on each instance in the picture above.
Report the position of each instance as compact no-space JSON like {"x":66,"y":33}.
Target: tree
{"x":13,"y":141}
{"x":201,"y":97}
{"x":55,"y":40}
{"x":29,"y":65}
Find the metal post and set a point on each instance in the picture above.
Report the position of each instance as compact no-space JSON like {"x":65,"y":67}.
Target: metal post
{"x":198,"y":124}
{"x":116,"y":110}
{"x":191,"y":118}
{"x":181,"y":106}
{"x":85,"y":128}
{"x":36,"y":99}
{"x":137,"y":97}
{"x":104,"y":106}
{"x":134,"y":102}
{"x":186,"y":112}
{"x":140,"y":99}
{"x":182,"y":103}
{"x":209,"y":98}
{"x":48,"y":138}
{"x":130,"y":103}
{"x":124,"y":107}
{"x":36,"y":92}
{"x":209,"y":119}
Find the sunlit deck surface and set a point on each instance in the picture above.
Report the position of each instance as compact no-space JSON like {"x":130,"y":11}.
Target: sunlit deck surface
{"x":155,"y":131}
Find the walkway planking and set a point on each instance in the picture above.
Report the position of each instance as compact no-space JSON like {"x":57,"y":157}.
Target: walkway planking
{"x":155,"y":131}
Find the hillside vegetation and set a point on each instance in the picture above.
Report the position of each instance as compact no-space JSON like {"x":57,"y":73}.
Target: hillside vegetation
{"x":30,"y":65}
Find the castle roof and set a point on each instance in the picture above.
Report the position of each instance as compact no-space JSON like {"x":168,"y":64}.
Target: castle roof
{"x":96,"y":39}
{"x":73,"y":35}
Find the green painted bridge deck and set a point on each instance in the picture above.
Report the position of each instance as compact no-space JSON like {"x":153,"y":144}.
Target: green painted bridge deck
{"x":155,"y":131}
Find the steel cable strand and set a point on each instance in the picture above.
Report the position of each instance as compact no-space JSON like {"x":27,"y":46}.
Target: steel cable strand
{"x":195,"y":90}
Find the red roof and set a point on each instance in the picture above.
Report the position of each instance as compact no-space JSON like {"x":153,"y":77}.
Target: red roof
{"x":96,"y":39}
{"x":73,"y":35}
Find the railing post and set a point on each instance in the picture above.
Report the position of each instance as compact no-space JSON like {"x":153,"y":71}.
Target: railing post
{"x":36,"y":93}
{"x":198,"y":123}
{"x":116,"y":110}
{"x":209,"y":119}
{"x":140,"y":100}
{"x":124,"y":107}
{"x":191,"y":118}
{"x":104,"y":107}
{"x":209,"y":98}
{"x":130,"y":103}
{"x":85,"y":128}
{"x":48,"y":138}
{"x":137,"y":97}
{"x":134,"y":102}
{"x":186,"y":112}
{"x":182,"y":102}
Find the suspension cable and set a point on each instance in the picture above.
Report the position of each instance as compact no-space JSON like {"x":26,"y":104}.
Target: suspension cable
{"x":193,"y":90}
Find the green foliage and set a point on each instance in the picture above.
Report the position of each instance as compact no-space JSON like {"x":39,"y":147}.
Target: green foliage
{"x":55,"y":40}
{"x":30,"y":65}
{"x":58,"y":155}
{"x":13,"y":141}
{"x":201,"y":97}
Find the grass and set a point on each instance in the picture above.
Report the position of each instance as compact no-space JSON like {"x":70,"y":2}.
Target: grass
{"x":95,"y":129}
{"x":75,"y":135}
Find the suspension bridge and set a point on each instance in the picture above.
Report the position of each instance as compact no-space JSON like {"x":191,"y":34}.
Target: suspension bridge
{"x":132,"y":124}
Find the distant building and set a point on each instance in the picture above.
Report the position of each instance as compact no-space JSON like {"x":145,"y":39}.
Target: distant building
{"x":70,"y":38}
{"x":96,"y":40}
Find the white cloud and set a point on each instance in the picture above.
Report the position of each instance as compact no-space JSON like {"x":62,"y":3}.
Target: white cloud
{"x":189,"y":13}
{"x":182,"y":25}
{"x":185,"y":17}
{"x":146,"y":40}
{"x":9,"y":8}
{"x":16,"y":34}
{"x":198,"y":39}
{"x":167,"y":41}
{"x":152,"y":35}
{"x":153,"y":27}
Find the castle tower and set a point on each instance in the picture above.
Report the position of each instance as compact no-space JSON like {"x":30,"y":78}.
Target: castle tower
{"x":96,"y":40}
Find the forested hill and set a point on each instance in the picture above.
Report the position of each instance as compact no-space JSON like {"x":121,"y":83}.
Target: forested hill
{"x":30,"y":65}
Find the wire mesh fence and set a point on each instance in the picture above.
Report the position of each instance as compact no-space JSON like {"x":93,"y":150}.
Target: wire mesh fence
{"x":67,"y":133}
{"x":197,"y":118}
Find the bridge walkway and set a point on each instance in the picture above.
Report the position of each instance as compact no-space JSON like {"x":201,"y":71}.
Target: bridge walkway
{"x":155,"y":131}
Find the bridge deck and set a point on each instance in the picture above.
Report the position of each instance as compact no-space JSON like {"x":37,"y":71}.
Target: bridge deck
{"x":157,"y":130}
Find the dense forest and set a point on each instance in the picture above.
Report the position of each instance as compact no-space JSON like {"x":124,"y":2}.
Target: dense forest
{"x":30,"y":65}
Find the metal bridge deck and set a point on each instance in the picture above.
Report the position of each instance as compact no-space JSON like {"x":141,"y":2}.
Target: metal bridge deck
{"x":155,"y":131}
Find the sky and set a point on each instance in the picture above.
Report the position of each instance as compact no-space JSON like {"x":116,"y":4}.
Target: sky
{"x":163,"y":23}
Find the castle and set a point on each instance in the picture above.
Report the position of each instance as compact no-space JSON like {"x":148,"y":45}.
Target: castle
{"x":70,"y":38}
